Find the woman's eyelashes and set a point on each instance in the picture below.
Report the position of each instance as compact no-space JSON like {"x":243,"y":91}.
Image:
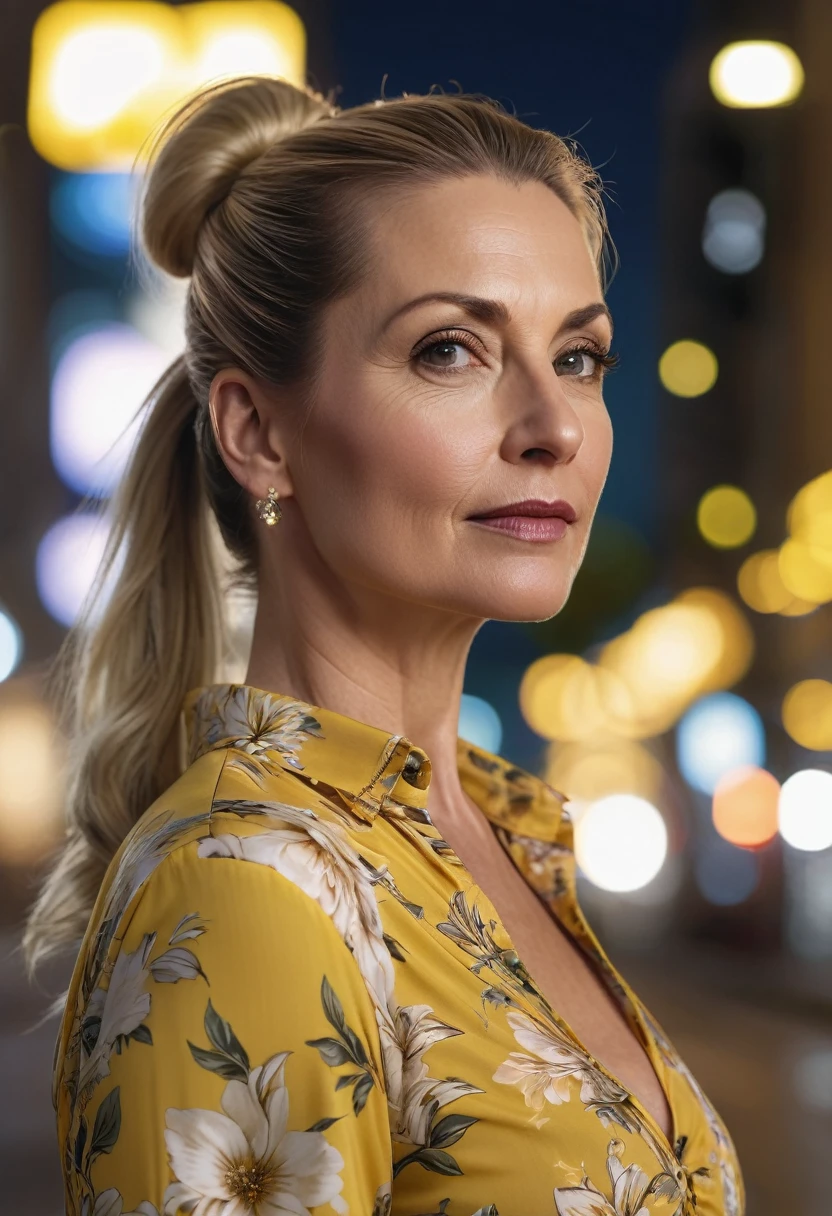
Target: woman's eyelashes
{"x":449,"y":351}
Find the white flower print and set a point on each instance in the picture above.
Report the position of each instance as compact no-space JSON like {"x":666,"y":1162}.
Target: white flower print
{"x":630,"y":1188}
{"x":256,"y":725}
{"x":122,"y":1007}
{"x":319,"y":858}
{"x":244,"y":1161}
{"x":111,"y":1203}
{"x":546,"y":1075}
{"x":417,"y":1028}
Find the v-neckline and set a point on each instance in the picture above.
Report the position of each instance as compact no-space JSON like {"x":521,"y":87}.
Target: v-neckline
{"x":589,"y":947}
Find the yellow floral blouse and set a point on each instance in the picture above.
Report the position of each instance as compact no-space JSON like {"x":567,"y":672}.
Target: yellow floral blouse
{"x":293,"y":998}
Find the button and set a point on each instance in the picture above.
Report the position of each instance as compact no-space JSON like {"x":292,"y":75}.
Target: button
{"x":412,"y":768}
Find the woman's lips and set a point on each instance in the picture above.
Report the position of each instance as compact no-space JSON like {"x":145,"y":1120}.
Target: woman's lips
{"x":527,"y":527}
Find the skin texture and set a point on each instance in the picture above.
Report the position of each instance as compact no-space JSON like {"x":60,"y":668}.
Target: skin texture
{"x":375,"y":582}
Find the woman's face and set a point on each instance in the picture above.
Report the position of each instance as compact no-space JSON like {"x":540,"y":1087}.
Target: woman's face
{"x":429,"y":411}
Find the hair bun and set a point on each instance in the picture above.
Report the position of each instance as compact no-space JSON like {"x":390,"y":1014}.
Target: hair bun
{"x":199,"y":153}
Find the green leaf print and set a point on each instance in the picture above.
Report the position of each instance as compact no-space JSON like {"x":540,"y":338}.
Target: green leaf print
{"x":361,"y":1092}
{"x":229,"y":1058}
{"x":433,"y":1159}
{"x":107,"y":1125}
{"x":323,"y":1124}
{"x":332,"y":1052}
{"x":346,"y":1049}
{"x":449,"y":1130}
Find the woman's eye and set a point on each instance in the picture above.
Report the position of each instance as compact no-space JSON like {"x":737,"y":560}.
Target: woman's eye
{"x":445,"y":355}
{"x":582,"y":364}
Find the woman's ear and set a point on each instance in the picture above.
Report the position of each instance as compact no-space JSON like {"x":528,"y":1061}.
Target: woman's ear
{"x":244,"y":421}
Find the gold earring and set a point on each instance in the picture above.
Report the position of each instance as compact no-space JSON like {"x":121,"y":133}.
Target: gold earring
{"x":268,"y":508}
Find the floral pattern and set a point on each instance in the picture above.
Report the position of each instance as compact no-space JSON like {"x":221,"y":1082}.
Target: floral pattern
{"x":291,"y":901}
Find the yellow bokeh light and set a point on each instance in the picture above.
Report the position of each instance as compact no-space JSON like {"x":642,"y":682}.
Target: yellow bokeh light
{"x":31,"y":791}
{"x":807,"y":714}
{"x":688,"y":368}
{"x":810,"y":502}
{"x":745,"y":806}
{"x":617,"y":766}
{"x":559,"y":698}
{"x":238,"y":37}
{"x":804,"y":572}
{"x":760,"y":584}
{"x":726,"y":517}
{"x":644,"y":679}
{"x":798,"y":607}
{"x":756,"y":73}
{"x":104,"y":72}
{"x":737,"y":650}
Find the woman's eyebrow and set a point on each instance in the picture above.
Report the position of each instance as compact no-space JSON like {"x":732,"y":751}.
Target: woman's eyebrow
{"x":496,"y":312}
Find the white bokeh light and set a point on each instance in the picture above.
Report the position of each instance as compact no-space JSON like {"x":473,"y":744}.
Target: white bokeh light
{"x":239,"y":52}
{"x":805,"y":810}
{"x":99,"y":70}
{"x":98,"y":388}
{"x":67,"y":561}
{"x":733,"y":239}
{"x":620,"y":842}
{"x":11,"y":645}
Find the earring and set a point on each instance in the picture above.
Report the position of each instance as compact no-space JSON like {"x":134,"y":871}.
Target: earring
{"x":268,"y":508}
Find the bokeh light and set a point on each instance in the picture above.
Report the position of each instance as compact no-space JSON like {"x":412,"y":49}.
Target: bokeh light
{"x":11,"y":644}
{"x":238,"y":37}
{"x":93,"y":211}
{"x":805,"y":571}
{"x":809,"y":514}
{"x":744,"y":806}
{"x":480,"y":723}
{"x":756,"y":73}
{"x":813,"y":1077}
{"x":760,"y":583}
{"x":592,"y":771}
{"x":688,"y":369}
{"x":733,"y":239}
{"x":560,"y":697}
{"x":726,"y":517}
{"x":32,"y":787}
{"x":98,"y":389}
{"x":807,"y":714}
{"x":103,"y":74}
{"x":805,"y":812}
{"x":720,"y":733}
{"x":67,"y":561}
{"x":725,"y":875}
{"x":620,"y":842}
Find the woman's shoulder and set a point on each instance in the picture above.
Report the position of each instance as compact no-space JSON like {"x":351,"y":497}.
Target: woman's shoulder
{"x":217,"y":807}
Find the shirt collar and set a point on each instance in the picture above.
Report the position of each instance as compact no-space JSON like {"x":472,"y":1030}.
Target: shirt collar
{"x":366,"y":763}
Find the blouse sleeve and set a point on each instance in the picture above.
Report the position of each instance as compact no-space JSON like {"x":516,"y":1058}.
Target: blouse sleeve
{"x":237,"y":1054}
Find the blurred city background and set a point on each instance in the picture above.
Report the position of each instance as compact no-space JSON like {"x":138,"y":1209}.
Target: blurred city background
{"x":683,"y":698}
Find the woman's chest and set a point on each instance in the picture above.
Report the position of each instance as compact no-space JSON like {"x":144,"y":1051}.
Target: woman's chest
{"x":493,"y":1101}
{"x":567,"y":979}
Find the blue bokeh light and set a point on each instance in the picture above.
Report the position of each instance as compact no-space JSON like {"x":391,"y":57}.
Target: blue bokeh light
{"x":93,"y":211}
{"x":717,"y":734}
{"x":725,"y":875}
{"x":480,"y":723}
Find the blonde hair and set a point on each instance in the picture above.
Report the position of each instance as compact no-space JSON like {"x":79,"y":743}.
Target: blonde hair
{"x":254,"y":192}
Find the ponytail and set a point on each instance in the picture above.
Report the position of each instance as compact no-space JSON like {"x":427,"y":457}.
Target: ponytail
{"x":150,"y":630}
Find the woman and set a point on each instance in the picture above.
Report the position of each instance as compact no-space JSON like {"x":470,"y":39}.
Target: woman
{"x":337,"y":963}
